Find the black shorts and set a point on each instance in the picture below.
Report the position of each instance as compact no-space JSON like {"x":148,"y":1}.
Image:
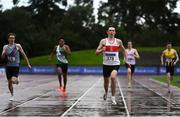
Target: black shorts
{"x":64,"y":67}
{"x":12,"y":71}
{"x":132,"y":68}
{"x":170,"y":69}
{"x":107,"y":69}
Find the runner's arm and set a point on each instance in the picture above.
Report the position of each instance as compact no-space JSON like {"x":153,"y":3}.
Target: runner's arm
{"x":100,"y":48}
{"x":24,"y":55}
{"x":177,"y":57}
{"x":3,"y":53}
{"x":67,"y":49}
{"x":162,"y":58}
{"x":124,"y":52}
{"x":136,"y":54}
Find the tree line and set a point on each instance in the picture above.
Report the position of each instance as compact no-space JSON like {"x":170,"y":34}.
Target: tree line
{"x":38,"y":25}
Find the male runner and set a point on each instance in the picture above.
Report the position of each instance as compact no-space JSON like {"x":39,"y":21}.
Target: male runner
{"x":11,"y":53}
{"x":132,"y":55}
{"x":61,"y":50}
{"x":110,"y":47}
{"x":169,"y":58}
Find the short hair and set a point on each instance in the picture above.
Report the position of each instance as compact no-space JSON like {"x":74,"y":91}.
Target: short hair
{"x":129,"y":41}
{"x":61,"y":37}
{"x":13,"y":34}
{"x":169,"y":43}
{"x":110,"y":26}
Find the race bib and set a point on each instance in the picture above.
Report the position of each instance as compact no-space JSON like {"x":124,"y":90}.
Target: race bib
{"x":168,"y":60}
{"x":11,"y":59}
{"x":110,"y":57}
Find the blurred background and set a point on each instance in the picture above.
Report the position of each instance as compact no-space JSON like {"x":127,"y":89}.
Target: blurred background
{"x":83,"y":23}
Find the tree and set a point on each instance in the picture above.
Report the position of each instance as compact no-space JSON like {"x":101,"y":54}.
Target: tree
{"x":77,"y":24}
{"x":135,"y":16}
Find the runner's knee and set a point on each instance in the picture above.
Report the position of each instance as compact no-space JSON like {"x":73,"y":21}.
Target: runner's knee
{"x":113,"y":74}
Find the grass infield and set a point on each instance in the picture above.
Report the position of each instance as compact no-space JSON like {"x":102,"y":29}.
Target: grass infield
{"x":175,"y":82}
{"x":87,"y":57}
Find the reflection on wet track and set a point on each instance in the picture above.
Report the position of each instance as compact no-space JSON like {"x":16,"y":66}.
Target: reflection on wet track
{"x":37,"y":95}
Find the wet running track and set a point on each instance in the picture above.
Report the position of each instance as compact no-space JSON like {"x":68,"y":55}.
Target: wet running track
{"x":37,"y":96}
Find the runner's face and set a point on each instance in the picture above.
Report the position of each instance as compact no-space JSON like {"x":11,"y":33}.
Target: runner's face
{"x":169,"y":46}
{"x":129,"y":44}
{"x":111,"y":32}
{"x":11,"y":39}
{"x":61,"y":42}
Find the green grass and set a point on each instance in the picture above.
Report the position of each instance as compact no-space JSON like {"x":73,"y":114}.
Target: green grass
{"x":164,"y":80}
{"x":84,"y":57}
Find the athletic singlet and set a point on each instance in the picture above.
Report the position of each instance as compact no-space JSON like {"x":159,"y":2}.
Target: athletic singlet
{"x":111,"y":53}
{"x":130,"y":56}
{"x":61,"y":55}
{"x":169,"y":56}
{"x":12,"y":53}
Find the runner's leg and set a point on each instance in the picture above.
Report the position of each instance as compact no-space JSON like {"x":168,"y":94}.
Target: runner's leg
{"x":59,"y":70}
{"x":113,"y":82}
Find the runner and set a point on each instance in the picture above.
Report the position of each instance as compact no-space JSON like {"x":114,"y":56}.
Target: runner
{"x":110,"y":47}
{"x":169,"y":58}
{"x":11,"y":53}
{"x":61,"y":50}
{"x":132,"y":55}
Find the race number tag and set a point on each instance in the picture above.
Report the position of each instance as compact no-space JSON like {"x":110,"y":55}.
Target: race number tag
{"x":11,"y":59}
{"x":110,"y":57}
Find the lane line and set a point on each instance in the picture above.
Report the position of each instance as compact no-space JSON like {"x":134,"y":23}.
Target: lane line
{"x":80,"y":98}
{"x":23,"y":103}
{"x":125,"y":105}
{"x":155,"y":92}
{"x":31,"y":99}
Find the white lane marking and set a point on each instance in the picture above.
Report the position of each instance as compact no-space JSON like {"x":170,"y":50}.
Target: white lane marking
{"x":156,"y":93}
{"x":23,"y":103}
{"x":80,"y":98}
{"x":125,"y":105}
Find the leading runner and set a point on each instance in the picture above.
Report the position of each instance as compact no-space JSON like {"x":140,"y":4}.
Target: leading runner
{"x":110,"y":47}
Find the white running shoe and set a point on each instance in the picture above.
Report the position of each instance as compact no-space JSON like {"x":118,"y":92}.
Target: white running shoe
{"x":113,"y":100}
{"x":12,"y":98}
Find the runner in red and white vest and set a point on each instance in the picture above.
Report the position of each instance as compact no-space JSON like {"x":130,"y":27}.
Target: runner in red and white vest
{"x":132,"y":55}
{"x":110,"y":47}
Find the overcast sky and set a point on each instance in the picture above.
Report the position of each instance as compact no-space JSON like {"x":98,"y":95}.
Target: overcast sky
{"x":7,"y":4}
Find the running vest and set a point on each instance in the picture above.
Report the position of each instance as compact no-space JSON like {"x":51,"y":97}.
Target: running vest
{"x":111,"y":53}
{"x":12,"y":53}
{"x":130,"y":56}
{"x":61,"y":55}
{"x":169,"y":56}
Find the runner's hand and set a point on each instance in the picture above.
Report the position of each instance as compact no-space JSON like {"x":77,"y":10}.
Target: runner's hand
{"x":103,"y":49}
{"x":49,"y":59}
{"x":64,"y":47}
{"x":29,"y":66}
{"x":162,"y":64}
{"x":128,"y":65}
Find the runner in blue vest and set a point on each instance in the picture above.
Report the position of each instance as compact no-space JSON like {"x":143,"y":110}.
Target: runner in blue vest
{"x":11,"y":52}
{"x":61,"y":50}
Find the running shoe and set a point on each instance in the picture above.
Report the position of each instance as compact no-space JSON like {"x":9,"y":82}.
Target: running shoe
{"x":113,"y":100}
{"x":12,"y":98}
{"x":169,"y":90}
{"x":60,"y":88}
{"x":105,"y":96}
